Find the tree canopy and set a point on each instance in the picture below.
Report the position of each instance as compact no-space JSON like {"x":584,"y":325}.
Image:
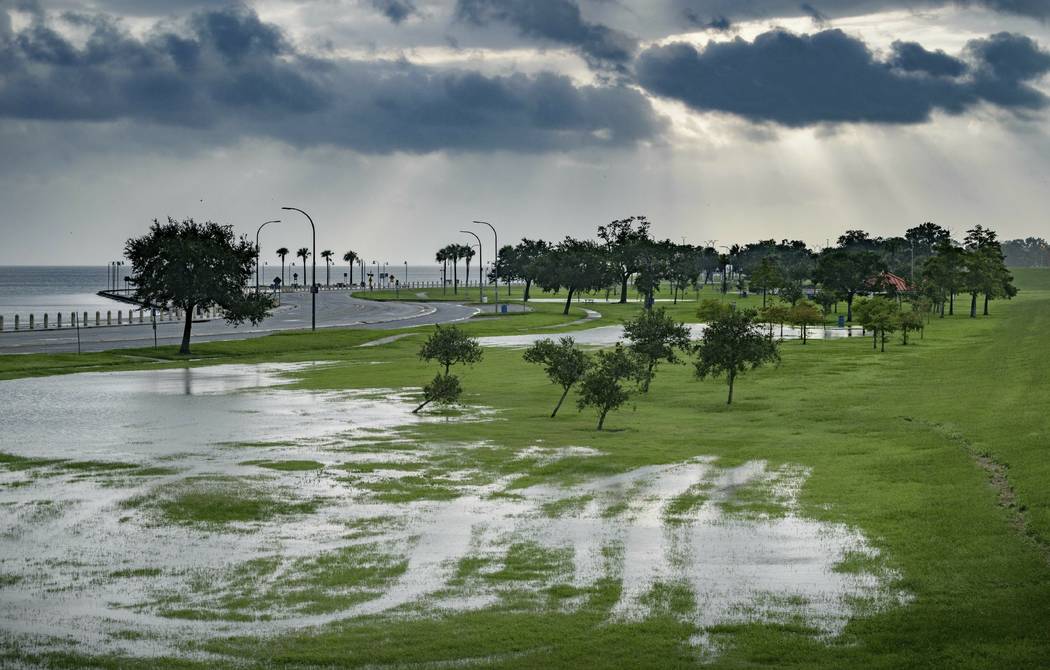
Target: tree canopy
{"x":732,"y":345}
{"x":190,"y":266}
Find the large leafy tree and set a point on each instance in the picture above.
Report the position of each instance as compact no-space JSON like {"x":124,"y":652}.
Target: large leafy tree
{"x":190,"y":266}
{"x":944,"y":274}
{"x":654,"y":338}
{"x":732,"y":345}
{"x":985,"y":268}
{"x":563,"y":362}
{"x":846,"y":272}
{"x":574,"y":265}
{"x":525,"y":262}
{"x":605,"y":385}
{"x":625,"y":241}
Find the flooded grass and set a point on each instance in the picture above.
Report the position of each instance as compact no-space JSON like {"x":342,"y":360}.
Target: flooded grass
{"x":803,"y":527}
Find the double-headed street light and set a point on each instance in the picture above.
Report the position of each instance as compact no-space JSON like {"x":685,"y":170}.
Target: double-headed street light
{"x":313,"y":283}
{"x":257,"y":251}
{"x":481,"y":284}
{"x":495,"y":255}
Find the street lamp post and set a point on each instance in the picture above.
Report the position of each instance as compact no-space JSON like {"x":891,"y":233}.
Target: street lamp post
{"x":313,"y":283}
{"x":495,"y":255}
{"x":406,"y":273}
{"x":257,"y":251}
{"x":481,"y":284}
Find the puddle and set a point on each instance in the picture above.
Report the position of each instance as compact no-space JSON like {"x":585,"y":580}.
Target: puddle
{"x":605,"y":336}
{"x":324,"y":513}
{"x":137,"y":415}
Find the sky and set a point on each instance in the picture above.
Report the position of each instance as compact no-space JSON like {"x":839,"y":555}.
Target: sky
{"x":395,"y":123}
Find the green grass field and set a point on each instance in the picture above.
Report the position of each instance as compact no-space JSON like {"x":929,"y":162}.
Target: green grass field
{"x":935,"y":451}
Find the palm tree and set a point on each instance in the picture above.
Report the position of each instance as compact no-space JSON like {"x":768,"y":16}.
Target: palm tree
{"x":303,"y":253}
{"x":282,"y":252}
{"x":327,"y":256}
{"x":468,"y":253}
{"x":442,"y":257}
{"x":350,"y":258}
{"x":455,"y":252}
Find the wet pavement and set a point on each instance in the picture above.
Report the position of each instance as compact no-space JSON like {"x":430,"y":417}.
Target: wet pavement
{"x":335,"y":309}
{"x":606,"y":336}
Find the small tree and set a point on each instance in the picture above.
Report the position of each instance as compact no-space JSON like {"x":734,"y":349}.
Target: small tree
{"x":775,"y":314}
{"x":911,"y":321}
{"x":732,"y":345}
{"x":766,"y":276}
{"x":791,"y":293}
{"x":826,"y":300}
{"x":603,"y":385}
{"x":879,"y":315}
{"x":712,"y":310}
{"x":562,"y":361}
{"x":193,"y":266}
{"x":803,"y":315}
{"x":448,"y":346}
{"x":655,"y":337}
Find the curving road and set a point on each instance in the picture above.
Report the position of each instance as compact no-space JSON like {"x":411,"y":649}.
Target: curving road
{"x":335,"y":309}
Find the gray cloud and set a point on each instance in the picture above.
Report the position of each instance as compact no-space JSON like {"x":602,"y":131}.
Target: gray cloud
{"x":396,"y":10}
{"x":829,"y":77}
{"x":558,"y":21}
{"x":228,"y":73}
{"x":818,"y":17}
{"x":738,"y":10}
{"x":913,"y":57}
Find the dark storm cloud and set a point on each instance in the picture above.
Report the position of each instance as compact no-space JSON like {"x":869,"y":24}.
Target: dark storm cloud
{"x":830,"y":77}
{"x":231,"y":74}
{"x":557,"y":21}
{"x":913,"y":57}
{"x":396,"y":10}
{"x":718,"y":24}
{"x":739,"y":10}
{"x":818,"y":17}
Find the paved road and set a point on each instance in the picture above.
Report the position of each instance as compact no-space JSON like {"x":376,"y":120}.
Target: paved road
{"x":335,"y":309}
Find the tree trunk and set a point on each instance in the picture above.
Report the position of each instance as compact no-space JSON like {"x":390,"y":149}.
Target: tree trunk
{"x":560,"y":401}
{"x":184,"y":349}
{"x":601,"y":418}
{"x":568,"y":303}
{"x":973,"y":305}
{"x":986,"y":304}
{"x":951,"y":304}
{"x":883,"y":339}
{"x":623,"y":287}
{"x":731,"y":378}
{"x":648,"y":376}
{"x":455,"y":276}
{"x":528,"y":285}
{"x":425,"y":403}
{"x":874,"y":339}
{"x":467,"y":280}
{"x":763,"y":298}
{"x":849,"y":307}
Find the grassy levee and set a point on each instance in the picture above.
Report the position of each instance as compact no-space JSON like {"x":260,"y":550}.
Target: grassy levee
{"x":890,"y":441}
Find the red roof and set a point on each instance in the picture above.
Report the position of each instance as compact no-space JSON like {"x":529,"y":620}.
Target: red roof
{"x":900,"y":284}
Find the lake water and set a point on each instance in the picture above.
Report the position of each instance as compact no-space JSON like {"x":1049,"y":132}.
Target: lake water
{"x":38,"y":290}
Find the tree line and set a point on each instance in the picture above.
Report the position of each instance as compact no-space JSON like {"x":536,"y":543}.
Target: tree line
{"x":934,"y":266}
